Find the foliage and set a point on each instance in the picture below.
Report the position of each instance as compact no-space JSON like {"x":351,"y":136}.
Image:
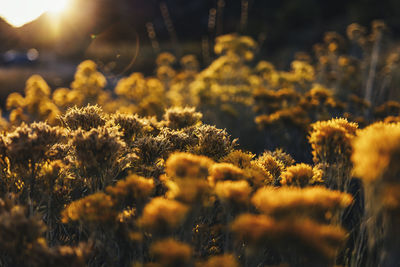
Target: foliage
{"x":138,"y":177}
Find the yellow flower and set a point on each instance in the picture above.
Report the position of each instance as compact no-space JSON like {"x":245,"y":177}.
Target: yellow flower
{"x":301,"y":175}
{"x":331,"y":140}
{"x":293,"y":201}
{"x":95,"y":208}
{"x":271,"y":164}
{"x":239,"y":158}
{"x":225,"y":171}
{"x":233,"y":191}
{"x":305,"y":236}
{"x":161,"y":215}
{"x":183,"y":165}
{"x":171,"y":253}
{"x":377,"y":152}
{"x":134,"y":187}
{"x":225,"y":260}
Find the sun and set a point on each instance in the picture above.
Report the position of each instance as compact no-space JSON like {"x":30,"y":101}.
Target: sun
{"x":58,"y":6}
{"x":20,"y":12}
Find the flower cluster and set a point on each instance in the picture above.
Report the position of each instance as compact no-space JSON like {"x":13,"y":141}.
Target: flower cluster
{"x":375,"y":157}
{"x":151,"y":173}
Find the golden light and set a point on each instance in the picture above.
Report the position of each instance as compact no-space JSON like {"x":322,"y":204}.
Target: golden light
{"x":20,"y":12}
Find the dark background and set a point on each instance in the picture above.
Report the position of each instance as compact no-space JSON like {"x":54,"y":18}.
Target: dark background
{"x":286,"y":22}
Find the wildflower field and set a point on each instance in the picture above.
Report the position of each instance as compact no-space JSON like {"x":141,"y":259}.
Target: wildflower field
{"x":236,"y":163}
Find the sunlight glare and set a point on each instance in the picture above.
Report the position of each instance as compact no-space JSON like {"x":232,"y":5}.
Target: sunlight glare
{"x":20,"y":12}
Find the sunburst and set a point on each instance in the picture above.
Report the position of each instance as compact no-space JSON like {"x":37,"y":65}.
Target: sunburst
{"x":20,"y":12}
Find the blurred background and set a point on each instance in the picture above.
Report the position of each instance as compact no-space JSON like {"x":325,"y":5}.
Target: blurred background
{"x":124,"y":36}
